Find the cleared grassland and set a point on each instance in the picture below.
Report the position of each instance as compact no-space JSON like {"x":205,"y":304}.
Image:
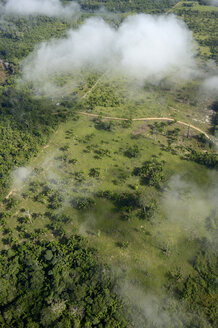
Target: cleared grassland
{"x":89,"y":147}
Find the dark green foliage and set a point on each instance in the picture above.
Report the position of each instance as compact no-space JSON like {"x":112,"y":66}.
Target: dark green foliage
{"x":207,"y":159}
{"x":19,"y":35}
{"x":200,"y":289}
{"x":149,"y":210}
{"x":26,"y":124}
{"x":158,"y":127}
{"x":203,"y":23}
{"x":155,"y":6}
{"x":131,"y":203}
{"x":123,"y":244}
{"x":79,"y":176}
{"x":69,"y":134}
{"x":108,"y":194}
{"x":214,"y":107}
{"x":55,"y":200}
{"x":125,"y":201}
{"x":73,"y":161}
{"x":104,"y":96}
{"x":83,"y":203}
{"x":172,"y":135}
{"x":103,"y":125}
{"x":132,"y":151}
{"x":120,"y":174}
{"x":62,"y":218}
{"x":101,"y":152}
{"x":50,"y":196}
{"x":56,"y":284}
{"x":11,"y":203}
{"x":127,"y":124}
{"x":64,"y":148}
{"x":94,"y":172}
{"x":151,"y":173}
{"x":87,"y":138}
{"x":202,"y":139}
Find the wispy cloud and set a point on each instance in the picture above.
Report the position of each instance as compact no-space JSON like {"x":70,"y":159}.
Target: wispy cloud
{"x":40,"y":7}
{"x":144,"y":47}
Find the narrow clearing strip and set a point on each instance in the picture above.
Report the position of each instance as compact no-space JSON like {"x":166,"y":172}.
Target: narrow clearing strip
{"x":93,"y":87}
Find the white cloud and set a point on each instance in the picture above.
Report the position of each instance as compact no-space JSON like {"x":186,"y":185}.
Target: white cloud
{"x":189,"y":206}
{"x":40,"y":7}
{"x":210,"y":85}
{"x":20,"y":175}
{"x":145,"y":47}
{"x":213,"y":2}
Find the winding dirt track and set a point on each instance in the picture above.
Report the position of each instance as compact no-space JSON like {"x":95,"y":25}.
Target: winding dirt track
{"x":147,"y":119}
{"x":135,"y":120}
{"x":138,"y":119}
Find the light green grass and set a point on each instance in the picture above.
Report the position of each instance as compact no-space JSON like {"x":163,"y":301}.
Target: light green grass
{"x":144,"y":258}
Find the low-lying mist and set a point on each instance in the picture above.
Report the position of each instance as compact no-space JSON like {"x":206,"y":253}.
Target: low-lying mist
{"x":210,"y":85}
{"x":143,"y":47}
{"x":192,"y":208}
{"x":213,"y":2}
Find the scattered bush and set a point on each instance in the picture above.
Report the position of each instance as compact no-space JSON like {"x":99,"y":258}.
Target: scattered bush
{"x":83,"y":203}
{"x":132,"y":151}
{"x":151,"y":173}
{"x":94,"y":172}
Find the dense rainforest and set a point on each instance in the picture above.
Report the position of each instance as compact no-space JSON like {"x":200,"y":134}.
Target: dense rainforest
{"x":66,"y":287}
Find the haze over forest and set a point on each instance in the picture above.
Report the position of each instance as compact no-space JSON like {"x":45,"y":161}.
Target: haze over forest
{"x":108,"y":163}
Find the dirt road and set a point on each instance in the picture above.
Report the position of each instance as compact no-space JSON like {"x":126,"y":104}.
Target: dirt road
{"x":147,"y":119}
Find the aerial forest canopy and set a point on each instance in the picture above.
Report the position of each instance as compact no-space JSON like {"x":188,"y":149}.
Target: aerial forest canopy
{"x":108,"y":164}
{"x":155,"y":6}
{"x":56,"y":284}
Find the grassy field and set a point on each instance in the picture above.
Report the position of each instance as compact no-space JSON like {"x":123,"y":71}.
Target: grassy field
{"x":64,"y":165}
